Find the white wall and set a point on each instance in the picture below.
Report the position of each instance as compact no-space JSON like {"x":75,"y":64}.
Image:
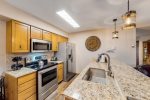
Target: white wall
{"x":123,"y":45}
{"x":11,"y":12}
{"x":2,"y":45}
{"x":143,"y":35}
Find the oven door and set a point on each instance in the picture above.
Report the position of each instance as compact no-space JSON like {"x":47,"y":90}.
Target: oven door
{"x":40,"y":45}
{"x":47,"y":78}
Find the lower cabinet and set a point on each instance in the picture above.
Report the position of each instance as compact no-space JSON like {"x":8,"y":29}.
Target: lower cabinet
{"x":60,"y":70}
{"x":22,"y":88}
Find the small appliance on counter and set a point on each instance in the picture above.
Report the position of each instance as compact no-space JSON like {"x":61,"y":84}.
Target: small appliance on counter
{"x":46,"y":76}
{"x":54,"y":58}
{"x":18,"y":65}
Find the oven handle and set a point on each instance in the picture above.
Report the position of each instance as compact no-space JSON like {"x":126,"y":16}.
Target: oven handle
{"x":48,"y":69}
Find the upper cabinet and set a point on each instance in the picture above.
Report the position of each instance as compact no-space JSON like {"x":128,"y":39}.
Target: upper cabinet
{"x":36,"y":33}
{"x":62,"y":39}
{"x":55,"y":42}
{"x":47,"y":36}
{"x":18,"y":37}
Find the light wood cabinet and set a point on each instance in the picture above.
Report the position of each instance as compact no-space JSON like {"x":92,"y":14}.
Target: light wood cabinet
{"x":36,"y":33}
{"x":62,"y":39}
{"x":18,"y":37}
{"x":55,"y":42}
{"x":22,"y":88}
{"x":47,"y":36}
{"x":65,"y":39}
{"x":60,"y":72}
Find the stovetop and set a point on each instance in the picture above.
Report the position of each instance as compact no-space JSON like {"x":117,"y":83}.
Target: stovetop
{"x":35,"y":65}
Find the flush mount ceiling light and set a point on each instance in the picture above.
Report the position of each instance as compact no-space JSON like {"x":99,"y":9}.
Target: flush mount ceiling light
{"x":64,"y":15}
{"x":115,"y":33}
{"x":129,"y":18}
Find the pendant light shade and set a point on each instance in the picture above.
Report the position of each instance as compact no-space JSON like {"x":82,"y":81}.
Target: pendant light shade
{"x":115,"y":33}
{"x":129,"y":19}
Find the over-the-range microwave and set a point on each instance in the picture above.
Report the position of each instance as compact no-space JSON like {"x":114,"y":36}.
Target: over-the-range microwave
{"x":40,"y":45}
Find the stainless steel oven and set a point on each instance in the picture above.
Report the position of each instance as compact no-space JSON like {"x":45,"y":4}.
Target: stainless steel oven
{"x":40,"y":45}
{"x":47,"y":82}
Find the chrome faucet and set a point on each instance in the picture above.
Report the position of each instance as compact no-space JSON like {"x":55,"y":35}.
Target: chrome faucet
{"x":108,"y":61}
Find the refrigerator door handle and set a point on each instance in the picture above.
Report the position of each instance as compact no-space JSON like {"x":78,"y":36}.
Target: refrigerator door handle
{"x":71,"y":56}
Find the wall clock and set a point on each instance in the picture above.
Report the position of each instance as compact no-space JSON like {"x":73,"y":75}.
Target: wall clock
{"x":93,"y":43}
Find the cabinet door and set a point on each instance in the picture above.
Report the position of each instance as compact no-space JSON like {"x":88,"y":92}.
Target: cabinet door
{"x":36,"y":33}
{"x":47,"y":36}
{"x":60,"y":72}
{"x":62,"y":39}
{"x":54,"y":42}
{"x":20,"y":37}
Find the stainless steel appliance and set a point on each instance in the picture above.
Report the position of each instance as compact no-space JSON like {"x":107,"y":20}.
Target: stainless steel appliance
{"x":46,"y":77}
{"x":47,"y":82}
{"x":40,"y":45}
{"x":66,"y":54}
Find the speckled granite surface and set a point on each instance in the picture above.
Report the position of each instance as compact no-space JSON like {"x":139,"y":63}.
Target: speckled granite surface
{"x":132,"y":82}
{"x":18,"y":73}
{"x":127,"y":82}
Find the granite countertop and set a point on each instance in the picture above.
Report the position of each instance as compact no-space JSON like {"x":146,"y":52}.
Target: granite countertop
{"x":127,"y":82}
{"x":18,"y":73}
{"x":132,"y":82}
{"x":56,"y":61}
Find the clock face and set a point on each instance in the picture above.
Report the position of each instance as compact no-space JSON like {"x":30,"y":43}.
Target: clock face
{"x":93,"y":43}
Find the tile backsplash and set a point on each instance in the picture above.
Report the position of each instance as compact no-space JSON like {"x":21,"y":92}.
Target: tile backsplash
{"x":29,"y":55}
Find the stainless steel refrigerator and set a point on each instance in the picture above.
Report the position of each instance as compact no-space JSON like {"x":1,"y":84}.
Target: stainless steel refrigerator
{"x":66,"y":54}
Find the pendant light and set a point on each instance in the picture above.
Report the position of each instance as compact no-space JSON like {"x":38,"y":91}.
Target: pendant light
{"x":115,"y":33}
{"x":129,"y":18}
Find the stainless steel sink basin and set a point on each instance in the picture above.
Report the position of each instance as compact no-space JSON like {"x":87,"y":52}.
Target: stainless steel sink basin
{"x":95,"y":75}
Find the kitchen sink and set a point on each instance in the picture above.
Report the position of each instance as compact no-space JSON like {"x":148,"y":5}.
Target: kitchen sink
{"x":95,"y":75}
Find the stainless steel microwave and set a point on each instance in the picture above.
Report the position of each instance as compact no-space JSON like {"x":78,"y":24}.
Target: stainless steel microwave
{"x":40,"y":45}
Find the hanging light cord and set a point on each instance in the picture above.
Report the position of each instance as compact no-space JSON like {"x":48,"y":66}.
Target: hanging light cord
{"x":115,"y":26}
{"x":128,"y":5}
{"x":115,"y":23}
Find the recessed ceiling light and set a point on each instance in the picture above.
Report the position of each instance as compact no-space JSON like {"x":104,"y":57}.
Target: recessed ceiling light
{"x":63,"y":14}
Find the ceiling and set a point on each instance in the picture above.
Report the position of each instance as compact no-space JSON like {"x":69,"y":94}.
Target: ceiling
{"x":89,"y":14}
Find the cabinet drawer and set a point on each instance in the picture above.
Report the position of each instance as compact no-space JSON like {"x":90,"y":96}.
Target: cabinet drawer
{"x":26,"y":78}
{"x":27,"y":93}
{"x":33,"y":97}
{"x":26,"y":85}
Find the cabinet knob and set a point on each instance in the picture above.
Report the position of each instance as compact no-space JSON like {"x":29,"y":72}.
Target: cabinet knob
{"x":20,"y":46}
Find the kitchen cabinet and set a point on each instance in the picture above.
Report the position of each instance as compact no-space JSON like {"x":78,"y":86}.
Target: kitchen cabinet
{"x":18,"y":37}
{"x":62,"y":39}
{"x":55,"y":42}
{"x":22,"y":88}
{"x":60,"y":72}
{"x":47,"y":36}
{"x":36,"y":33}
{"x":65,"y":39}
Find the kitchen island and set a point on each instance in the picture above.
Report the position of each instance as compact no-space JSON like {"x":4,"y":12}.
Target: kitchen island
{"x":126,"y":82}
